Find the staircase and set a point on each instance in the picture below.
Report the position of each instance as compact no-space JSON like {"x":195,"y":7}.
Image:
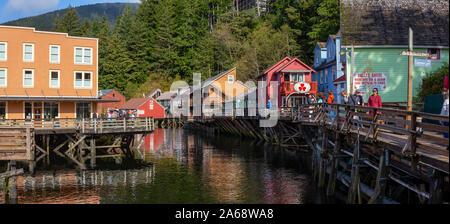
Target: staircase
{"x":16,"y":144}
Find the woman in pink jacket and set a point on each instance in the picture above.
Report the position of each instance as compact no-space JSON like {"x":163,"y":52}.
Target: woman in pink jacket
{"x":374,"y":99}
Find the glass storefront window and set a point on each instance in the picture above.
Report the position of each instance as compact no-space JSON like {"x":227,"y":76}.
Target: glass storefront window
{"x":50,"y":110}
{"x":83,"y":110}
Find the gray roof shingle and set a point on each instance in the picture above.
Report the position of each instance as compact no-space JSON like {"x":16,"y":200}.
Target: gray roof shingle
{"x":386,"y":22}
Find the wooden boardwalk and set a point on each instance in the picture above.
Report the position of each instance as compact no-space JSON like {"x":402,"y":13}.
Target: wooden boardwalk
{"x":405,"y":147}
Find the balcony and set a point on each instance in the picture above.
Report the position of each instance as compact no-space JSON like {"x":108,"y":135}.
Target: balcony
{"x":288,"y":87}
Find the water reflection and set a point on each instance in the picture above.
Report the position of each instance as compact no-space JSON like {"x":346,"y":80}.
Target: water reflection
{"x":187,"y":168}
{"x":232,"y":170}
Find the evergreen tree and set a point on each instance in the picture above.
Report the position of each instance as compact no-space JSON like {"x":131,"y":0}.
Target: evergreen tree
{"x":70,"y":23}
{"x":56,"y":23}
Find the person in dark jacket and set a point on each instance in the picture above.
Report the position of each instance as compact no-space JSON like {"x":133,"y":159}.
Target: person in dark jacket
{"x":356,"y":100}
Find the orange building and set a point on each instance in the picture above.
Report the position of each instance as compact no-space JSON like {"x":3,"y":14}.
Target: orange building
{"x":47,"y":74}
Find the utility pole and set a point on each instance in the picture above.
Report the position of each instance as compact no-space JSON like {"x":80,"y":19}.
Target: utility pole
{"x":410,"y":71}
{"x":351,"y":69}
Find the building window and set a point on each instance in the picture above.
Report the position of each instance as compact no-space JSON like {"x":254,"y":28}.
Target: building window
{"x":325,"y":79}
{"x":83,"y":110}
{"x":28,"y":52}
{"x":83,"y":79}
{"x":3,"y":77}
{"x":435,"y":53}
{"x":28,"y":78}
{"x":83,"y":55}
{"x":151,"y":105}
{"x":54,"y":78}
{"x":230,"y":79}
{"x":296,"y":77}
{"x":28,"y":110}
{"x":2,"y":110}
{"x":54,"y":54}
{"x":51,"y":110}
{"x":3,"y":51}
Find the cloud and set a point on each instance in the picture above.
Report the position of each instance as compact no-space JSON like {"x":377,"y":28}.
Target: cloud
{"x":29,"y":6}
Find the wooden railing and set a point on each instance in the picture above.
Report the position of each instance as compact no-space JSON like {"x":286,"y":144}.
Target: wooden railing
{"x":89,"y":125}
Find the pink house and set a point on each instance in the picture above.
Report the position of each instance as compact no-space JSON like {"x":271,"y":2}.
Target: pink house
{"x":287,"y":72}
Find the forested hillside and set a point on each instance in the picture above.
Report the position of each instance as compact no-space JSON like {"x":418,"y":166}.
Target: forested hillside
{"x":86,"y":12}
{"x":167,"y":40}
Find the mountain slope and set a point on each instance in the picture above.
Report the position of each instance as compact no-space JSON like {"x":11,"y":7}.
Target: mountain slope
{"x":45,"y":21}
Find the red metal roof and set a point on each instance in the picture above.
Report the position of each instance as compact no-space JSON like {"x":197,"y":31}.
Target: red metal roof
{"x":134,"y":103}
{"x":280,"y":63}
{"x":340,"y":79}
{"x":292,"y":61}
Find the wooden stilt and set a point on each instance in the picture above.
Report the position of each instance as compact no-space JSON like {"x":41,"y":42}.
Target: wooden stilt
{"x":93,"y":152}
{"x":323,"y":160}
{"x":380,"y":187}
{"x":334,"y":165}
{"x":436,"y":186}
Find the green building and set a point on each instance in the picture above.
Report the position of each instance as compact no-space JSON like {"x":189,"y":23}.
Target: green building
{"x":377,"y":31}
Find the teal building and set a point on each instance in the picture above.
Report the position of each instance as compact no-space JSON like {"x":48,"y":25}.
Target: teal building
{"x":377,"y":31}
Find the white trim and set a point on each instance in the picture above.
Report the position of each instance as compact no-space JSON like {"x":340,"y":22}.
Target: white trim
{"x":392,"y":46}
{"x":50,"y":79}
{"x":48,"y":96}
{"x":83,"y":49}
{"x":38,"y":31}
{"x":6,"y":78}
{"x":32,"y":52}
{"x":6,"y":51}
{"x":82,"y":79}
{"x":50,"y":54}
{"x":96,"y":73}
{"x":23,"y":77}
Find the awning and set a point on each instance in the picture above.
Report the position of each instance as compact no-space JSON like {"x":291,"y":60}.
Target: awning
{"x":42,"y":98}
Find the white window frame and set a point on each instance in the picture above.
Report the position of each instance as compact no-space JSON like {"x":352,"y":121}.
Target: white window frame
{"x":232,"y":81}
{"x":32,"y":52}
{"x":50,"y":79}
{"x":82,"y":56}
{"x":6,"y":78}
{"x":32,"y":78}
{"x":151,"y":105}
{"x":82,"y":79}
{"x":6,"y":51}
{"x":50,"y":54}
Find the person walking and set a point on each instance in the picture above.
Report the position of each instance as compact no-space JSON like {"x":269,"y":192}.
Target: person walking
{"x":331,"y":99}
{"x":344,"y":97}
{"x":445,"y":108}
{"x":356,"y":100}
{"x":374,"y":99}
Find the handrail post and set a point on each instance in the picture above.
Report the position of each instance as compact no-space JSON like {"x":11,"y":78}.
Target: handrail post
{"x":413,"y":141}
{"x":53,"y":123}
{"x":101,"y":125}
{"x":124,"y":124}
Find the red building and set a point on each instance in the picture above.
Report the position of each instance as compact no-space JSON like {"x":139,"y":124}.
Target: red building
{"x":287,"y":73}
{"x":109,"y":94}
{"x":145,"y":107}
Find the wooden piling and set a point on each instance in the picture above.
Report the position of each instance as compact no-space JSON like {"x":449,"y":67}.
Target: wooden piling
{"x":93,"y":152}
{"x":334,"y":165}
{"x":323,"y":160}
{"x":380,"y":187}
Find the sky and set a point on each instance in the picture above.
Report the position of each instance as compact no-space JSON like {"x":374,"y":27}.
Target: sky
{"x":15,"y":9}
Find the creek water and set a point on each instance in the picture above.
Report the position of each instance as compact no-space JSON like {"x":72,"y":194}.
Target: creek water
{"x":183,"y":167}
